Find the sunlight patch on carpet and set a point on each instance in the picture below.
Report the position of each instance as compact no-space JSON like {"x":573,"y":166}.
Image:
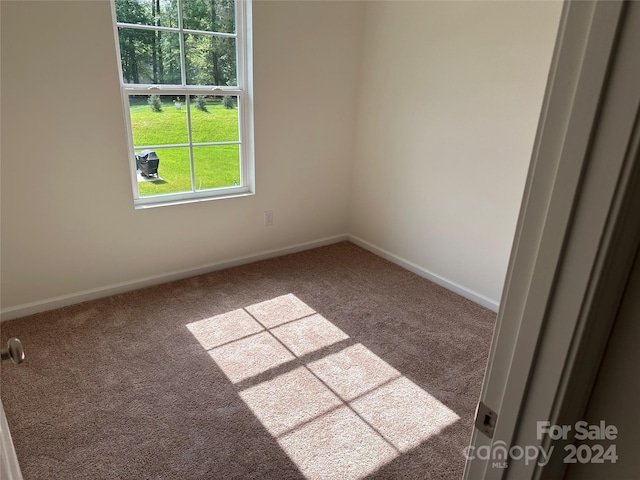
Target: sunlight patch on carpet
{"x":289,"y":400}
{"x":403,"y":413}
{"x":338,"y":445}
{"x":334,"y":407}
{"x":308,"y":334}
{"x":250,"y":356}
{"x":215,"y":331}
{"x":280,"y":310}
{"x":353,"y":371}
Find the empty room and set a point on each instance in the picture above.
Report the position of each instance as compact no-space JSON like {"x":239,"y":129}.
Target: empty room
{"x":263,"y":239}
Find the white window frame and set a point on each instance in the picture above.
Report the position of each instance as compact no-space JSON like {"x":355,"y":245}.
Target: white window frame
{"x":243,"y":91}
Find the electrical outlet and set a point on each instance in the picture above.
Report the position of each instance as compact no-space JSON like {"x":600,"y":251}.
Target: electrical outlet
{"x":268,"y":218}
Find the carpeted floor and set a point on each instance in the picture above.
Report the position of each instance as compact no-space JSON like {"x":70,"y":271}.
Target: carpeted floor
{"x":331,"y":363}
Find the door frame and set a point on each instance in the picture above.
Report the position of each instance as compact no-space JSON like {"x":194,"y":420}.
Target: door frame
{"x":9,"y":466}
{"x":575,"y":234}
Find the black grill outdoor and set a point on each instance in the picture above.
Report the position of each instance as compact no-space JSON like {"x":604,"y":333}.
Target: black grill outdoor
{"x":147,"y":162}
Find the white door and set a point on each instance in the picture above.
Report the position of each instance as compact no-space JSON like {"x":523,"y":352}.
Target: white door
{"x":575,"y":233}
{"x":9,"y":468}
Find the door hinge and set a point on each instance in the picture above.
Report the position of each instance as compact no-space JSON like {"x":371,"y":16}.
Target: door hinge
{"x":486,"y":419}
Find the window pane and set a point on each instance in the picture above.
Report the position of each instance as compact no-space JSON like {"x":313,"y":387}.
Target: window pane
{"x":174,"y":173}
{"x":149,"y":56}
{"x":210,"y":60}
{"x":148,"y":12}
{"x":214,"y":118}
{"x":150,"y":126}
{"x":210,"y":15}
{"x":217,"y":166}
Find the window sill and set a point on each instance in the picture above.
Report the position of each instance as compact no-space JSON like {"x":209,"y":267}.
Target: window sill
{"x":182,"y":201}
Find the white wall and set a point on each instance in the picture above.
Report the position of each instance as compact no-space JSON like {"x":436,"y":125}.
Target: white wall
{"x":68,"y":222}
{"x":448,"y":107}
{"x":406,"y":124}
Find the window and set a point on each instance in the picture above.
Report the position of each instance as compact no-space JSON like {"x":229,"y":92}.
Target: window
{"x":186,"y":86}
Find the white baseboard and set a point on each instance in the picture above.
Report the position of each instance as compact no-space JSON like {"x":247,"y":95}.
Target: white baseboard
{"x":423,"y":272}
{"x":101,"y":292}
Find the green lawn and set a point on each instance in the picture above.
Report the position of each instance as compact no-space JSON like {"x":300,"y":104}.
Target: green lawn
{"x":215,"y":166}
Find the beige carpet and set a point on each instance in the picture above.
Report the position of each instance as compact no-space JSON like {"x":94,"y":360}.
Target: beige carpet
{"x":326,"y":364}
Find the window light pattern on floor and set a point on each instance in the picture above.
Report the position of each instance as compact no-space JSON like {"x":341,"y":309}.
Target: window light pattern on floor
{"x":337,"y":409}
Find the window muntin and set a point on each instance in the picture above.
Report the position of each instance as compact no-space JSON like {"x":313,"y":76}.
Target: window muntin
{"x":192,"y":57}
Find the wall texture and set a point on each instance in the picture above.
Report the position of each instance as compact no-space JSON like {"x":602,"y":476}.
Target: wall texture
{"x":406,"y":124}
{"x":68,"y":222}
{"x":448,"y":107}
